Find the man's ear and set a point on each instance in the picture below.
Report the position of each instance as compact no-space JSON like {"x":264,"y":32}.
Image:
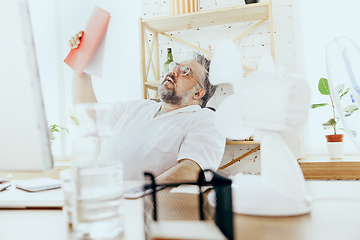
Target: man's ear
{"x":199,"y":94}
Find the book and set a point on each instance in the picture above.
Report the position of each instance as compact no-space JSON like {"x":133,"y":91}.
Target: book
{"x":89,"y":55}
{"x":38,"y":184}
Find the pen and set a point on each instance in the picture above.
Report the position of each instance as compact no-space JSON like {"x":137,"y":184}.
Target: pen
{"x":4,"y":188}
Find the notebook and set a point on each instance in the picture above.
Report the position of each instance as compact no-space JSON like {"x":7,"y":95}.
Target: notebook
{"x":38,"y":184}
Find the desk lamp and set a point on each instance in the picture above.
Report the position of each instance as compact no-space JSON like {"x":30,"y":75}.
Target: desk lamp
{"x":265,"y":103}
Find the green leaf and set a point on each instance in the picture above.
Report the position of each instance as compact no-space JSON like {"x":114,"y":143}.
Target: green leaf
{"x":339,"y":88}
{"x":318,"y":105}
{"x":343,"y":94}
{"x":331,"y":122}
{"x":348,"y":114}
{"x":351,"y":108}
{"x":55,"y":128}
{"x":326,"y":127}
{"x":324,"y":86}
{"x":73,"y":118}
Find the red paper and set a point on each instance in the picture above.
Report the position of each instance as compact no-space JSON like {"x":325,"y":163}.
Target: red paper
{"x":94,"y":32}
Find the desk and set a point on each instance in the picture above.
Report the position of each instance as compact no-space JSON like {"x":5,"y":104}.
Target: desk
{"x":335,"y":215}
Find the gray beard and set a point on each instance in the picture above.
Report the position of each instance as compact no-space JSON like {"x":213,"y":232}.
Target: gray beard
{"x":169,"y":95}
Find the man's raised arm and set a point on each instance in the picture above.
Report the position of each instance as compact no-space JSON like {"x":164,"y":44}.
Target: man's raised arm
{"x":81,"y":90}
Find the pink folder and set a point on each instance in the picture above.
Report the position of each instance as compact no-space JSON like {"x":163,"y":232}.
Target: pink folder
{"x":94,"y":32}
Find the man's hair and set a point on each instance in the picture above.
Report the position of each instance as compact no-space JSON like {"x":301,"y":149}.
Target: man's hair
{"x":209,"y":88}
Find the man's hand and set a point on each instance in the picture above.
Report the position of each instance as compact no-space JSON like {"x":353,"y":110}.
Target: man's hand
{"x":75,"y":41}
{"x":82,"y":89}
{"x":185,"y":171}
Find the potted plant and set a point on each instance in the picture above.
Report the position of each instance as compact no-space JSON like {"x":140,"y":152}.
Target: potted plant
{"x":334,"y":141}
{"x":55,"y":128}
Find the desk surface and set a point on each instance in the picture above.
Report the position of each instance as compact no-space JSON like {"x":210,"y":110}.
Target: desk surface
{"x":335,"y":215}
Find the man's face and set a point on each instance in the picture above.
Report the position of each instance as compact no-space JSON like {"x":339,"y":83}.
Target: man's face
{"x":177,"y":89}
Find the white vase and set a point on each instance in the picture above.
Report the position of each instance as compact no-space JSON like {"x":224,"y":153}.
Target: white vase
{"x":336,"y":150}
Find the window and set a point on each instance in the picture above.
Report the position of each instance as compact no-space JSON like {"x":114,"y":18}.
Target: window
{"x":54,"y":23}
{"x":321,"y":22}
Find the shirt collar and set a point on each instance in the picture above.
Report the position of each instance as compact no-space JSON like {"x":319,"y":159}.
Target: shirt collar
{"x":191,"y":108}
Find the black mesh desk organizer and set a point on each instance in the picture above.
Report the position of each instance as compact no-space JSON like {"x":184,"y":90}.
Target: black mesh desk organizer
{"x":204,"y":215}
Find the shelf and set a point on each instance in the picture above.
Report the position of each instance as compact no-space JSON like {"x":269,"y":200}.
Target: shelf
{"x":322,"y":167}
{"x":153,"y":84}
{"x":241,"y":142}
{"x":208,"y":18}
{"x":149,"y":43}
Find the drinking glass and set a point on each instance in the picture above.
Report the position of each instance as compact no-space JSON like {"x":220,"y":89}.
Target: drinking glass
{"x":66,"y":186}
{"x":97,"y":174}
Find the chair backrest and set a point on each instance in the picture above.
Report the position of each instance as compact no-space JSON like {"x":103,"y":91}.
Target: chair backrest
{"x":158,"y":100}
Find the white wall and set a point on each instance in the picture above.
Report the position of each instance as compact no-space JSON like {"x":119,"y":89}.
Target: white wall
{"x":121,"y":76}
{"x":252,"y":46}
{"x":322,"y":21}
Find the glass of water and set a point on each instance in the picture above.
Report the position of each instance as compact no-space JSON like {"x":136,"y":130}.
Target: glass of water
{"x":98,"y":179}
{"x":66,"y":186}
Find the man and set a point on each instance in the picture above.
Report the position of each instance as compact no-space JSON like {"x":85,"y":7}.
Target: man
{"x":173,"y":139}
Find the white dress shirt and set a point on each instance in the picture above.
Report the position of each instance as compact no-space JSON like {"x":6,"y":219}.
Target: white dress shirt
{"x":155,"y":144}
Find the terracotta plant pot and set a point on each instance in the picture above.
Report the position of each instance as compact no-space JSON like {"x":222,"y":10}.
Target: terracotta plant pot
{"x":335,"y":146}
{"x":334,"y":138}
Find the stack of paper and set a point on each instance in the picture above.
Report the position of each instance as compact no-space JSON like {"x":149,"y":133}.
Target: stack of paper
{"x":38,"y":184}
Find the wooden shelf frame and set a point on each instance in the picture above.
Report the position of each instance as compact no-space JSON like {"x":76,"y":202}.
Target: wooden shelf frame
{"x":239,"y":158}
{"x":208,"y":18}
{"x":241,"y":142}
{"x":149,"y":53}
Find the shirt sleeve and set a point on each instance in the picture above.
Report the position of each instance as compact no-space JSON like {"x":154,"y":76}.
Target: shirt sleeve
{"x":203,"y":144}
{"x":121,"y":107}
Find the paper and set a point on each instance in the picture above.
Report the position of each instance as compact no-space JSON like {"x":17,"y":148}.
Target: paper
{"x":38,"y":184}
{"x":7,"y":178}
{"x":89,"y":55}
{"x":95,"y":66}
